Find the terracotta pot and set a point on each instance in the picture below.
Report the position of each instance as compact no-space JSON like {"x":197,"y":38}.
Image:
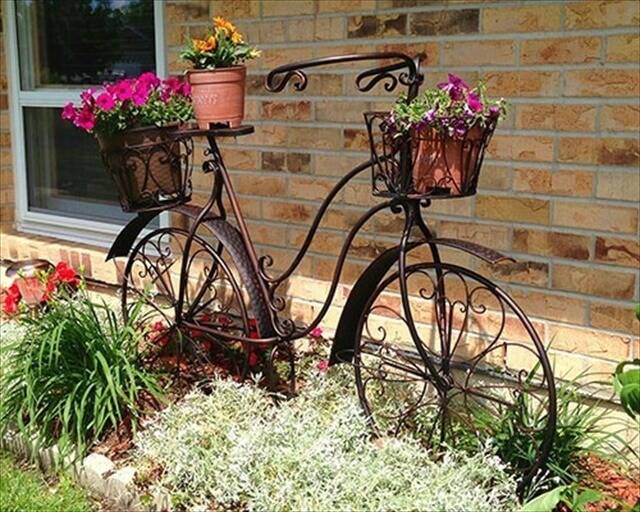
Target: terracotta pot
{"x":446,"y":165}
{"x":218,"y":95}
{"x":146,"y":166}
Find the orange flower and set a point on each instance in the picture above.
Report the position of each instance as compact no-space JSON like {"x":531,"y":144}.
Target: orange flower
{"x":205,"y":45}
{"x":226,"y":26}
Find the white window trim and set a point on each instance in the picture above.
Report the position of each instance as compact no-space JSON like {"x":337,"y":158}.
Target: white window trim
{"x":48,"y":224}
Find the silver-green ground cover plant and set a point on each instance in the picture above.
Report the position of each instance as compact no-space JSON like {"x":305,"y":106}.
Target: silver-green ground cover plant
{"x":233,"y":448}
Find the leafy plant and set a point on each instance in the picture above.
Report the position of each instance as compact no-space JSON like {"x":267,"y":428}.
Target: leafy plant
{"x":452,"y":107}
{"x":74,"y":374}
{"x":626,"y":382}
{"x":575,"y":497}
{"x":223,"y":47}
{"x":235,"y":448}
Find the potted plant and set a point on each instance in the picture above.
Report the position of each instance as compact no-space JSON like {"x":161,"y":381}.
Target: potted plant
{"x":135,"y":121}
{"x":218,"y":78}
{"x":444,"y":132}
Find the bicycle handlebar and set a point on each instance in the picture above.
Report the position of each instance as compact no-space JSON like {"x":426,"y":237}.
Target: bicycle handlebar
{"x":365,"y":81}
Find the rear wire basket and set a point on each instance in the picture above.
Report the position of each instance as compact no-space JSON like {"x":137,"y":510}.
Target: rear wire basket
{"x":425,"y":163}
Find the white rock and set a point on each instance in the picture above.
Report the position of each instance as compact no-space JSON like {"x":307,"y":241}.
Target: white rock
{"x":96,"y":470}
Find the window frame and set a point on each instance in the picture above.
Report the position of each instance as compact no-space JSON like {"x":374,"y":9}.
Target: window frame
{"x":72,"y":229}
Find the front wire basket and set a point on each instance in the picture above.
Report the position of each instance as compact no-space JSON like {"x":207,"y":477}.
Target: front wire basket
{"x":151,"y":170}
{"x":425,"y":163}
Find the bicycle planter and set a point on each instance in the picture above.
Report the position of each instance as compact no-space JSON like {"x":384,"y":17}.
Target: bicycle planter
{"x":432,"y":343}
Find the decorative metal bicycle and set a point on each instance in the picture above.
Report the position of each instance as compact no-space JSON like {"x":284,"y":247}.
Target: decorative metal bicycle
{"x":434,"y":345}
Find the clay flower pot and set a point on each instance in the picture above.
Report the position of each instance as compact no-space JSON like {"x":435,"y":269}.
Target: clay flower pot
{"x":218,"y":95}
{"x":146,"y":165}
{"x":448,"y":165}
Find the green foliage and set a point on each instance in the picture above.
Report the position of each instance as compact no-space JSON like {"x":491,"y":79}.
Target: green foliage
{"x":23,"y":490}
{"x":580,"y":430}
{"x":221,"y":48}
{"x":74,"y":374}
{"x":234,"y":447}
{"x":446,"y":108}
{"x":626,"y":382}
{"x":575,"y":497}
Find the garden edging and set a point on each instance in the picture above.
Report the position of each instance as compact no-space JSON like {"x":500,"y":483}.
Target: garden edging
{"x":96,"y":473}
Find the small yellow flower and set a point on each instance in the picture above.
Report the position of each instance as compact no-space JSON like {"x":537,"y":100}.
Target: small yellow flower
{"x":236,"y":38}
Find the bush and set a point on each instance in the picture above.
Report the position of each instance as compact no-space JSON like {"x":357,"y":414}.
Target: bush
{"x":73,"y":374}
{"x":233,"y":447}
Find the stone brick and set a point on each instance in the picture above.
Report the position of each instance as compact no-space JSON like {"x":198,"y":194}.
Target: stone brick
{"x":623,"y":48}
{"x":341,"y":111}
{"x":536,"y":18}
{"x":272,"y":161}
{"x":512,"y":209}
{"x":494,"y":236}
{"x":179,"y":12}
{"x":604,"y":13}
{"x":556,"y":117}
{"x":570,"y":50}
{"x":550,"y":243}
{"x":268,"y":186}
{"x":620,"y":118}
{"x":533,"y":273}
{"x":523,"y":83}
{"x":332,"y":6}
{"x":319,"y":138}
{"x":441,"y":23}
{"x":236,"y":9}
{"x":494,"y":177}
{"x":619,"y":251}
{"x":427,"y":51}
{"x":288,"y":212}
{"x":287,"y":7}
{"x":286,"y":110}
{"x":600,"y":82}
{"x":298,"y":162}
{"x":356,"y":139}
{"x":614,"y":317}
{"x":274,"y":57}
{"x":552,"y":306}
{"x":335,"y":165}
{"x":609,"y":151}
{"x":618,"y":185}
{"x":521,"y":147}
{"x":564,"y":183}
{"x":595,"y":217}
{"x":478,"y":53}
{"x":377,"y":26}
{"x":594,"y":281}
{"x":311,"y":188}
{"x":571,"y":339}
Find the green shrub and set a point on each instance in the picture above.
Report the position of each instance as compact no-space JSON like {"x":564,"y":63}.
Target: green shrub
{"x":73,"y":374}
{"x":233,"y":447}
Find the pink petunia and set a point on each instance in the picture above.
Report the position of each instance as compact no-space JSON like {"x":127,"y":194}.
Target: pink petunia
{"x":87,"y":97}
{"x":140,"y":97}
{"x":149,"y":79}
{"x":105,"y":101}
{"x":474,"y":103}
{"x":69,"y":112}
{"x":123,"y":90}
{"x":85,"y":120}
{"x":316,"y":332}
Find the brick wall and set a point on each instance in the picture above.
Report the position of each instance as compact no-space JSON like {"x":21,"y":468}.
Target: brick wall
{"x":7,"y":204}
{"x":559,"y":191}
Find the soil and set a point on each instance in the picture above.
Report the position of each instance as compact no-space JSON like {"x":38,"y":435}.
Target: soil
{"x":618,"y":488}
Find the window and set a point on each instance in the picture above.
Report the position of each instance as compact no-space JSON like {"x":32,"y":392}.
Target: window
{"x":58,"y":49}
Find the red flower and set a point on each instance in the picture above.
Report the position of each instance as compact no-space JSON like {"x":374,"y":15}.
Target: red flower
{"x":205,"y":346}
{"x":10,"y":299}
{"x":64,"y":273}
{"x":50,"y":288}
{"x":323,"y":365}
{"x":159,"y":334}
{"x":253,"y":329}
{"x":316,"y":332}
{"x":224,"y":320}
{"x":253,"y":359}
